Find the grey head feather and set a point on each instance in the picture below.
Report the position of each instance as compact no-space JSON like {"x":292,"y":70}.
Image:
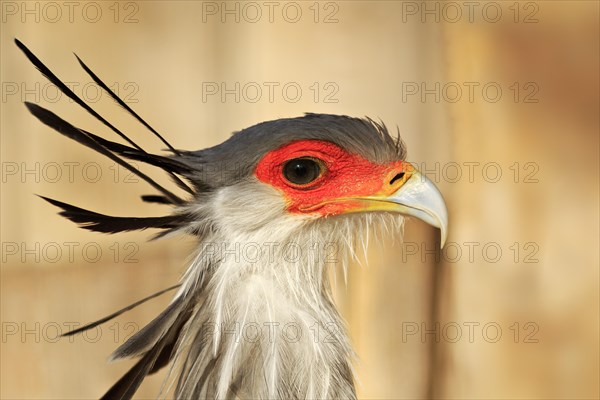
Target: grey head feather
{"x":235,"y":159}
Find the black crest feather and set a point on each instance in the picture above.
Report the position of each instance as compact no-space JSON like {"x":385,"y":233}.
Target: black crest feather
{"x":109,"y":224}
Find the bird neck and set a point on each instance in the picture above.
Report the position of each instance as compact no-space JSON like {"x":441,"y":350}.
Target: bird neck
{"x":267,"y":319}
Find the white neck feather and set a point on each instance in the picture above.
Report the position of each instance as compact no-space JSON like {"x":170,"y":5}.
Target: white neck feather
{"x":265,"y":325}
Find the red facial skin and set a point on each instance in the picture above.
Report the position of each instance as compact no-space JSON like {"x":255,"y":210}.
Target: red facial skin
{"x":346,"y":178}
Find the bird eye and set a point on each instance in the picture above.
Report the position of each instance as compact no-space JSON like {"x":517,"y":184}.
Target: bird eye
{"x":302,"y":171}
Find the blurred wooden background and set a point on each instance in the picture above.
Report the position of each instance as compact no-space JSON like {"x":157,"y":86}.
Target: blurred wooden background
{"x":475,"y":323}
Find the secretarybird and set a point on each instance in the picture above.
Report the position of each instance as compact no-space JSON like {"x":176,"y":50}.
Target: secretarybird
{"x":263,"y":324}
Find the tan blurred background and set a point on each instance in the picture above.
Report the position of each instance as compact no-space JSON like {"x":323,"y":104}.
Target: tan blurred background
{"x":497,"y":101}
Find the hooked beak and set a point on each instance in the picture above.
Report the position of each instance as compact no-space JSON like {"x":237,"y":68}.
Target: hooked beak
{"x":420,"y":198}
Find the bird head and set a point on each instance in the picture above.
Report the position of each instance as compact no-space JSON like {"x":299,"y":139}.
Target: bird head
{"x":317,"y":168}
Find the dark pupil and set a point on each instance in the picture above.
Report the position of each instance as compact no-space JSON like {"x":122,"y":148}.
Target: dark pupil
{"x":301,"y":171}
